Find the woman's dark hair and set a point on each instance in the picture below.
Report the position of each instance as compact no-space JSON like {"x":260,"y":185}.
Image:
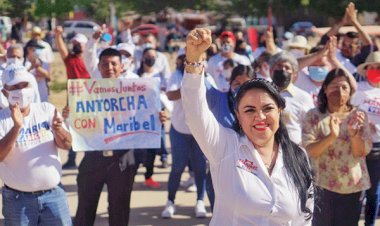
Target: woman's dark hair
{"x":322,"y":98}
{"x":239,"y":70}
{"x":242,"y":70}
{"x":140,"y":71}
{"x":295,"y":159}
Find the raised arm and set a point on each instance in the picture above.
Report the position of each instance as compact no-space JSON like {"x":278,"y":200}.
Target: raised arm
{"x":311,"y":58}
{"x":352,"y":13}
{"x":60,"y":43}
{"x":210,"y":135}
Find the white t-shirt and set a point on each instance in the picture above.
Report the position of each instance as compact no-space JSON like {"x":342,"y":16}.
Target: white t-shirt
{"x":304,"y":82}
{"x":177,"y":116}
{"x":245,"y":193}
{"x":215,"y":68}
{"x":33,"y":164}
{"x":346,"y":62}
{"x":46,"y":54}
{"x":298,"y":103}
{"x":367,"y":98}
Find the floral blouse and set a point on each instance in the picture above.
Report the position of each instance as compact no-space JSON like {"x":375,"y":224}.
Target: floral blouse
{"x":336,"y":169}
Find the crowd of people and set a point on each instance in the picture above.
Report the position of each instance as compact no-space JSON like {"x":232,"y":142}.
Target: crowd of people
{"x":285,"y":135}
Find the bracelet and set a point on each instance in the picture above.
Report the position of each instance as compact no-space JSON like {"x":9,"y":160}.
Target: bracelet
{"x":194,"y":64}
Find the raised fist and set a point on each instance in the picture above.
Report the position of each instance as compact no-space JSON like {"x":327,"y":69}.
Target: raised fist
{"x":197,"y":42}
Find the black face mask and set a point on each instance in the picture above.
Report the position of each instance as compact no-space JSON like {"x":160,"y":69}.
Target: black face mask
{"x":77,"y":49}
{"x":149,"y":61}
{"x":281,"y":78}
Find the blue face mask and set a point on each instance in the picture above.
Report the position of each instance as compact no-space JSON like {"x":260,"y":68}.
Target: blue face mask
{"x":317,"y":73}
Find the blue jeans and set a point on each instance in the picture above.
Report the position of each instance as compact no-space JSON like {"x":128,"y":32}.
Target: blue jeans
{"x":49,"y":208}
{"x":372,"y":194}
{"x":184,"y":149}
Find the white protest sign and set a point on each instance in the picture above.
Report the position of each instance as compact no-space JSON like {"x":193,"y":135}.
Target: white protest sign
{"x":114,"y":113}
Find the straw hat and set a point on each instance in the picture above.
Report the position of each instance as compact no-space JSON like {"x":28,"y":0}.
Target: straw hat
{"x":372,"y":58}
{"x":298,"y":41}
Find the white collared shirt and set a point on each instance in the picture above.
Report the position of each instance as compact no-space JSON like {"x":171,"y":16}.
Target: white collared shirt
{"x":298,"y":103}
{"x":245,"y":193}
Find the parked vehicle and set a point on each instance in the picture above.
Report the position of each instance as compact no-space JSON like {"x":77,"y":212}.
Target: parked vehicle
{"x":72,"y":27}
{"x":304,"y":28}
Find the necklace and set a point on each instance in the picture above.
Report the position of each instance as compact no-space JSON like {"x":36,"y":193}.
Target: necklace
{"x":270,"y":165}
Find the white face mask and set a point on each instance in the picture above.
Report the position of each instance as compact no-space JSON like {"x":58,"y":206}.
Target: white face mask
{"x":23,"y":97}
{"x":297,"y":53}
{"x":227,"y":73}
{"x":128,"y":63}
{"x":16,"y":61}
{"x":147,"y":45}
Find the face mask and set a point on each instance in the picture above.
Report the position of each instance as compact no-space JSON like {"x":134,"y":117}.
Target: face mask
{"x":77,"y":49}
{"x":227,"y":74}
{"x":147,"y":45}
{"x":37,"y":52}
{"x":226,"y":48}
{"x":16,"y":61}
{"x":373,"y":76}
{"x":281,"y":78}
{"x":23,"y":97}
{"x":297,"y":53}
{"x":149,"y":61}
{"x":318,"y":74}
{"x":127,"y":61}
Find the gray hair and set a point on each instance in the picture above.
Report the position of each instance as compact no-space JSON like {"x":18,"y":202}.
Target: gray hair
{"x":15,"y":46}
{"x":284,"y":56}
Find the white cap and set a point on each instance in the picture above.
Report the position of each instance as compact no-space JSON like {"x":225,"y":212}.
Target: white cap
{"x":81,"y":38}
{"x":128,"y":47}
{"x":14,"y":74}
{"x":181,"y":51}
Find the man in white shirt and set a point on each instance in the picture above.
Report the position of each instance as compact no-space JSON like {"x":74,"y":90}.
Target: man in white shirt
{"x":46,"y":55}
{"x":215,"y":63}
{"x":284,"y":68}
{"x":30,"y":135}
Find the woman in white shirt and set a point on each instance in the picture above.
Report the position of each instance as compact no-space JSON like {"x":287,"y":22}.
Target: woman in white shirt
{"x":260,"y":176}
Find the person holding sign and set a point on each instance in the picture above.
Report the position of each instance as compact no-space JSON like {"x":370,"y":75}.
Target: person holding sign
{"x":115,"y":168}
{"x":30,"y":135}
{"x":262,"y":175}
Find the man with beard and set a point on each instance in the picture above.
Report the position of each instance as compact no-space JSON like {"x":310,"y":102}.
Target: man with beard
{"x":75,"y":69}
{"x":283,"y":69}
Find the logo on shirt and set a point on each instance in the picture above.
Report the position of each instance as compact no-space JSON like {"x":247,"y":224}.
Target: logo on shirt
{"x":34,"y":135}
{"x":246,"y":165}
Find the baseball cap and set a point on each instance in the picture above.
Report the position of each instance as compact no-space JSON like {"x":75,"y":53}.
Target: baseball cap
{"x":14,"y":74}
{"x":81,"y":38}
{"x":227,"y":34}
{"x":130,"y":48}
